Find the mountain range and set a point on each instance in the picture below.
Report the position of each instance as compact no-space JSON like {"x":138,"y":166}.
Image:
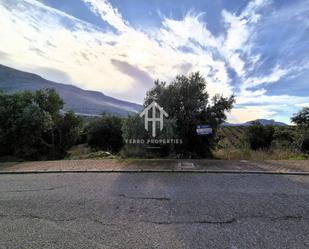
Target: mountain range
{"x":83,"y":102}
{"x":261,"y":121}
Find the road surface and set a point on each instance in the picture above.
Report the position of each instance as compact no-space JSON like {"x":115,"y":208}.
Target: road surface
{"x":227,"y":211}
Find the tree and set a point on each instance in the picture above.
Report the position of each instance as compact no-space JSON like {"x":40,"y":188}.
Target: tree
{"x":49,"y":101}
{"x":32,"y":127}
{"x":305,"y":143}
{"x":259,"y":136}
{"x":66,"y":131}
{"x":187,"y":102}
{"x":133,"y":130}
{"x":105,"y":133}
{"x":285,"y":137}
{"x":301,"y":118}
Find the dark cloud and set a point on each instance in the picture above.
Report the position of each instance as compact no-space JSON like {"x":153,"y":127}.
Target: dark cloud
{"x":48,"y":43}
{"x":37,"y":51}
{"x":143,"y":81}
{"x":134,"y":72}
{"x":85,"y":56}
{"x":111,"y":43}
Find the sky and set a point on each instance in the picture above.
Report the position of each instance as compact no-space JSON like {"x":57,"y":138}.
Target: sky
{"x":257,"y":50}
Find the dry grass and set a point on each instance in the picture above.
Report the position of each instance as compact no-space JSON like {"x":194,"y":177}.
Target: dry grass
{"x":247,"y":154}
{"x":82,"y":151}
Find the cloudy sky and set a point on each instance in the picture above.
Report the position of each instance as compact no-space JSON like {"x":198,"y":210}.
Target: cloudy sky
{"x":257,"y":50}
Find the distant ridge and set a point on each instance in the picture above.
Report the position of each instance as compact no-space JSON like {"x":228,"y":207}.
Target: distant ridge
{"x":83,"y":102}
{"x":261,"y":121}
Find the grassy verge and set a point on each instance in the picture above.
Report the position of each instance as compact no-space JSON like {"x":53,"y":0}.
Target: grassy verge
{"x":247,"y":154}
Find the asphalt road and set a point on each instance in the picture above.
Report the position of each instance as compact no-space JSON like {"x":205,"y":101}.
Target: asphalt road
{"x":227,"y":211}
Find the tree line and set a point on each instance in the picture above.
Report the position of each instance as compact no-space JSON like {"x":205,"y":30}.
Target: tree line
{"x":34,"y":127}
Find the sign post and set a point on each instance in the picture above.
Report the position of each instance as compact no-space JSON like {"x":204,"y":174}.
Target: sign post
{"x":203,"y":130}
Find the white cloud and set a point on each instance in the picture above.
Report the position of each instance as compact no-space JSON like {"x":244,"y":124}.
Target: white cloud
{"x":35,"y":35}
{"x":249,"y":113}
{"x":108,"y":14}
{"x":122,"y":63}
{"x":239,"y":28}
{"x":302,"y":104}
{"x":271,"y":99}
{"x":176,"y":33}
{"x":274,"y":76}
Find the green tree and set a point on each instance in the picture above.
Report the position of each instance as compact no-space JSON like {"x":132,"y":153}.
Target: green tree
{"x":49,"y":101}
{"x":32,"y":127}
{"x":187,"y":102}
{"x":284,"y":137}
{"x":66,"y":131}
{"x":105,"y":133}
{"x":133,"y":128}
{"x":301,"y":119}
{"x":259,"y":136}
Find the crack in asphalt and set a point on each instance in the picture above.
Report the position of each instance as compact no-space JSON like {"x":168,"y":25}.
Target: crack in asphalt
{"x":31,"y":190}
{"x":145,"y":198}
{"x":221,"y":222}
{"x":102,"y":223}
{"x":31,"y":216}
{"x":288,"y":217}
{"x":188,"y":222}
{"x":228,"y":221}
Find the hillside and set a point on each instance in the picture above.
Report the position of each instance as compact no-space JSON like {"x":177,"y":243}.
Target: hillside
{"x":261,"y":121}
{"x":231,"y":136}
{"x":265,"y":122}
{"x":76,"y":99}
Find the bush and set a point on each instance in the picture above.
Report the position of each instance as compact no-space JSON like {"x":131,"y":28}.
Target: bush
{"x":105,"y":134}
{"x":31,"y":126}
{"x":284,"y":138}
{"x":259,"y":136}
{"x":66,"y":133}
{"x":134,"y":128}
{"x":305,"y":143}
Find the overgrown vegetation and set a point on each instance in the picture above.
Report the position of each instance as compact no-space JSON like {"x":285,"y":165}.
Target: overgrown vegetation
{"x":282,"y":142}
{"x":259,"y":136}
{"x":33,"y":127}
{"x":105,"y":133}
{"x":188,"y":104}
{"x":301,"y":119}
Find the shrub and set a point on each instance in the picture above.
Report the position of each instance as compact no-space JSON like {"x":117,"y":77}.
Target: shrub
{"x":134,"y":128}
{"x":31,"y":126}
{"x":301,"y":119}
{"x":259,"y":136}
{"x":105,"y":133}
{"x":305,"y":143}
{"x":284,"y":138}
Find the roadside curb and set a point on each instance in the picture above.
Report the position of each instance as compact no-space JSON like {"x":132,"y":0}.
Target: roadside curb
{"x":196,"y":171}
